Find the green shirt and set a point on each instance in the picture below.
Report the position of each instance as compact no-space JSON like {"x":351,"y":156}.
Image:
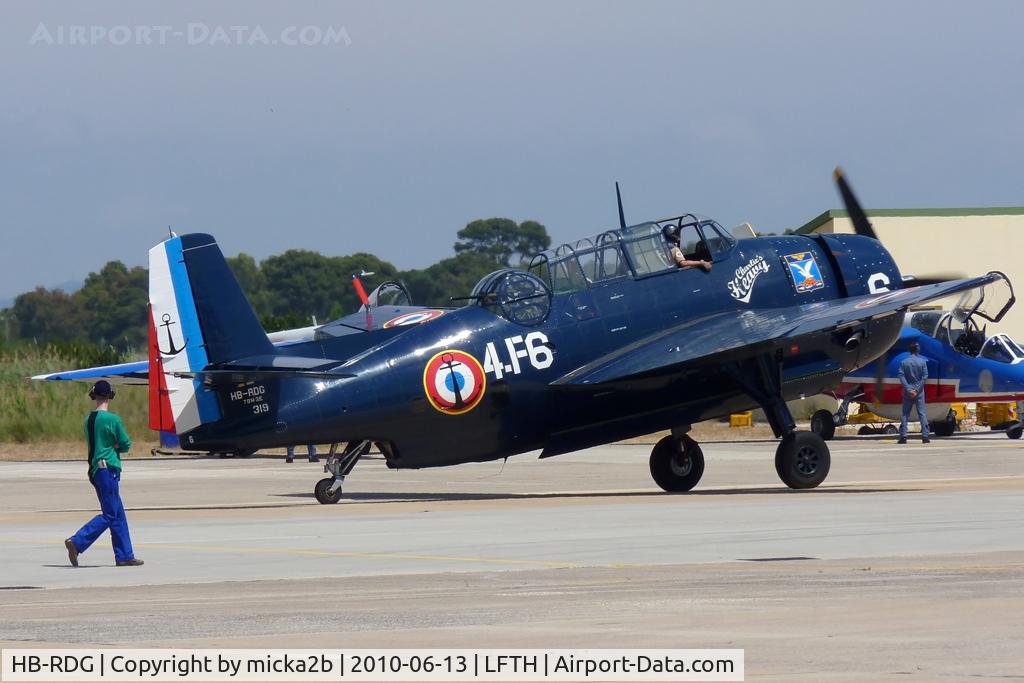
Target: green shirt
{"x":111,"y":440}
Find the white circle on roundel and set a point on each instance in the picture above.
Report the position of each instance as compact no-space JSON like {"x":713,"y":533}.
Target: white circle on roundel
{"x":453,"y":382}
{"x":986,"y":381}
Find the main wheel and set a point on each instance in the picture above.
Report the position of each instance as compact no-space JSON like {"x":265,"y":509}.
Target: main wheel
{"x":677,"y":469}
{"x":323,"y":493}
{"x":1015,"y":432}
{"x":823,"y":424}
{"x":802,"y":460}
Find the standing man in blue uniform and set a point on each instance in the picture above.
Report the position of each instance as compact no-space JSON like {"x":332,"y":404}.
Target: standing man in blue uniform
{"x":913,"y":373}
{"x":107,"y":440}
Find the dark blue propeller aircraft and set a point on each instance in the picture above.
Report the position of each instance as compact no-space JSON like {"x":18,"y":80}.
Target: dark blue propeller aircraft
{"x":597,"y":341}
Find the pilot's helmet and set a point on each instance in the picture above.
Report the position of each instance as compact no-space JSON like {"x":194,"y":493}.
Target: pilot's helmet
{"x":671,"y":233}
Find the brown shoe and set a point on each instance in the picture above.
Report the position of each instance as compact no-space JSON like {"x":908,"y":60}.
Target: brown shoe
{"x":72,"y":552}
{"x":134,"y":562}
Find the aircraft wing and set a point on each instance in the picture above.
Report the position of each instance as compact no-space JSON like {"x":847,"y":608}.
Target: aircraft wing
{"x":722,"y":337}
{"x":136,"y":372}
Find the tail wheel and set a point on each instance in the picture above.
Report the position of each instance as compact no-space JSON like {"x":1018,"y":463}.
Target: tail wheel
{"x":675,"y":466}
{"x":823,"y":424}
{"x":802,"y":460}
{"x":890,"y":430}
{"x":866,"y":431}
{"x":323,"y":492}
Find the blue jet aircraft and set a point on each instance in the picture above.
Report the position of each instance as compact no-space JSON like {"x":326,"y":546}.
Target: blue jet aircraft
{"x":965,"y":365}
{"x":598,"y":341}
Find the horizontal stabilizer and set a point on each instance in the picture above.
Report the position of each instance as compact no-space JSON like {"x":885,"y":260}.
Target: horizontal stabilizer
{"x":239,"y":375}
{"x":122,"y":373}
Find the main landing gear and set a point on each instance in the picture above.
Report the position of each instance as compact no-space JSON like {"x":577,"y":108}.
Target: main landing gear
{"x":328,"y":489}
{"x":802,"y":459}
{"x":677,"y":463}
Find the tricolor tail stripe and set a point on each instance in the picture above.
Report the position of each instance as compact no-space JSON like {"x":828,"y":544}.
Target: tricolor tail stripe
{"x":179,"y":342}
{"x":161,"y":418}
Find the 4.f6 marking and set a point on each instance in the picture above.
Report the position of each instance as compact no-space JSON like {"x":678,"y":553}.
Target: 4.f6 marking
{"x":534,"y":348}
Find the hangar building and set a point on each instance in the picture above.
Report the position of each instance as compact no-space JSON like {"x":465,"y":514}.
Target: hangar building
{"x":967,"y":242}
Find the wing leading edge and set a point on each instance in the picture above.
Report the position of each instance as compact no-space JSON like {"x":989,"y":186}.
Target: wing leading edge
{"x":123,"y":373}
{"x":722,"y":337}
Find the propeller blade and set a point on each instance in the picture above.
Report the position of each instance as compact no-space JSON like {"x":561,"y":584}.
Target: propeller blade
{"x":879,"y":379}
{"x":861,"y":224}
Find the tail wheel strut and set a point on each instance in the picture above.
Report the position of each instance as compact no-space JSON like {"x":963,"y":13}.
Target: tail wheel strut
{"x":328,"y":489}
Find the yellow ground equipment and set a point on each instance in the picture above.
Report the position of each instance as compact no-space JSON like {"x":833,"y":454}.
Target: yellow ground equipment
{"x":996,"y":415}
{"x":741,"y":419}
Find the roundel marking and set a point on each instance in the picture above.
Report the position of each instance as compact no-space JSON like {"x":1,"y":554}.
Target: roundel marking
{"x":414,"y":318}
{"x":454,"y":382}
{"x":985,"y":381}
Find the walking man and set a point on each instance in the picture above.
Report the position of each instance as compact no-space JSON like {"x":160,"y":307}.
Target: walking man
{"x":107,"y":440}
{"x":913,"y":373}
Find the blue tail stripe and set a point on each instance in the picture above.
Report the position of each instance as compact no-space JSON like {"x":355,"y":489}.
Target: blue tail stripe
{"x":206,"y":402}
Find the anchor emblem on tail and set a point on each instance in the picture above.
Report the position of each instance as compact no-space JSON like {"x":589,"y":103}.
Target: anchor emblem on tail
{"x":167,"y":322}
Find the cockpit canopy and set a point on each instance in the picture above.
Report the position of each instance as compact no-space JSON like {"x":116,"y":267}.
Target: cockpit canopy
{"x":638,"y":251}
{"x":516,"y":295}
{"x":964,"y":335}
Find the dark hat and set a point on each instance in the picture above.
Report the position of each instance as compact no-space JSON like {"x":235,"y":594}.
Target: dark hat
{"x":101,"y":389}
{"x":671,"y":232}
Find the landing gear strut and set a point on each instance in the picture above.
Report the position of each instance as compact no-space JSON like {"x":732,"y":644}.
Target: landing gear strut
{"x":328,"y":489}
{"x":677,"y":463}
{"x":802,"y":459}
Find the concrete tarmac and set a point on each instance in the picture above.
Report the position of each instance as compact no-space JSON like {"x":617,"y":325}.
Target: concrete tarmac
{"x":907,"y":564}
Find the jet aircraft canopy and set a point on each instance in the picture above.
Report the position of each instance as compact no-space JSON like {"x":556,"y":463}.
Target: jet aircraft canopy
{"x":636,"y":251}
{"x":959,"y":329}
{"x":990,"y":302}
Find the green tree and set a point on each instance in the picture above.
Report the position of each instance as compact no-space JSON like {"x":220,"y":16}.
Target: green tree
{"x":454,"y":276}
{"x":250,"y":277}
{"x":48,"y":315}
{"x":503,"y":240}
{"x":309,"y":283}
{"x":115,"y":303}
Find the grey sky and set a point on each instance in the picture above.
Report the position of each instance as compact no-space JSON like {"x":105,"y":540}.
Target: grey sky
{"x":438,"y":113}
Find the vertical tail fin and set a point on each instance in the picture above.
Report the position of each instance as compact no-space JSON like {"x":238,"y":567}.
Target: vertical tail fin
{"x":198,"y":316}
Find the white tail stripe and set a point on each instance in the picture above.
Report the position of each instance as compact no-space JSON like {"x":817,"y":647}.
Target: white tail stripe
{"x":175,"y":338}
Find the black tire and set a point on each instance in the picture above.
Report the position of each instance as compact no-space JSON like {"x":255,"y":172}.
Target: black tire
{"x":676,"y":470}
{"x":323,"y":494}
{"x":866,"y":431}
{"x":802,"y":460}
{"x":1015,"y":432}
{"x":890,"y":430}
{"x":823,"y":424}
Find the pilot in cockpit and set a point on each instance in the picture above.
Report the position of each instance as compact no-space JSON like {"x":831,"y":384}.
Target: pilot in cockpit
{"x":671,"y":233}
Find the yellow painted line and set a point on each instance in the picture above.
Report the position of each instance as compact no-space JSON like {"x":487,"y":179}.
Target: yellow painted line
{"x":319,"y":553}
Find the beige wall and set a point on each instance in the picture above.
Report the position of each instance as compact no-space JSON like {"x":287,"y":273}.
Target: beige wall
{"x":963,"y":245}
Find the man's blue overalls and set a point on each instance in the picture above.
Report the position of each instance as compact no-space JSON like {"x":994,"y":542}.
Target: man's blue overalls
{"x":913,"y":373}
{"x":106,"y":481}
